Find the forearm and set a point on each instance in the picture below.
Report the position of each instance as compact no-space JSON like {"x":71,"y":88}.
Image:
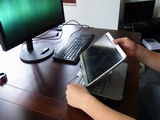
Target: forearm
{"x":99,"y":111}
{"x":149,"y":58}
{"x":79,"y":97}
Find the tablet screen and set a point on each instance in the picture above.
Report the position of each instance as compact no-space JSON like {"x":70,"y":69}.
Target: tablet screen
{"x":101,"y":57}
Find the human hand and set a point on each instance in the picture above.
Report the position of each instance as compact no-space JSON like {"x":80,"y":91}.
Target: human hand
{"x":128,"y":46}
{"x":79,"y":97}
{"x":76,"y":95}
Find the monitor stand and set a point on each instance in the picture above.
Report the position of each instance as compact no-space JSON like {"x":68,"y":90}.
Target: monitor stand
{"x":36,"y":52}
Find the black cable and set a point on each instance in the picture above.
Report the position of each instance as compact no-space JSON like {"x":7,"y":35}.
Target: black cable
{"x":157,"y":73}
{"x":72,"y":80}
{"x":50,"y":37}
{"x":58,"y":35}
{"x":153,"y":83}
{"x":157,"y":76}
{"x":43,"y":34}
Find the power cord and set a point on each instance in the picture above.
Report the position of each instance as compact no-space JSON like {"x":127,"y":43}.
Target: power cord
{"x":142,"y":70}
{"x":76,"y":24}
{"x":154,"y":82}
{"x":59,"y":30}
{"x":57,"y":36}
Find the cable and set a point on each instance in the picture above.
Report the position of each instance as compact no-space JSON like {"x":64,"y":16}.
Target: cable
{"x":153,"y":83}
{"x":73,"y":79}
{"x":77,"y":23}
{"x":157,"y":73}
{"x":43,"y":34}
{"x":60,"y":30}
{"x":58,"y":35}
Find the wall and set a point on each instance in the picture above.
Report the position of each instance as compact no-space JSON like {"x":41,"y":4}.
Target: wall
{"x":99,"y":13}
{"x":95,"y":13}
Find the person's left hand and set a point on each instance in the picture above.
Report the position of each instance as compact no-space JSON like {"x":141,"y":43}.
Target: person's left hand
{"x":76,"y":95}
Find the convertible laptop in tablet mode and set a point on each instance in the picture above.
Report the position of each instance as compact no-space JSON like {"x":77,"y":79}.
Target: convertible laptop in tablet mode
{"x":97,"y":63}
{"x":99,"y":59}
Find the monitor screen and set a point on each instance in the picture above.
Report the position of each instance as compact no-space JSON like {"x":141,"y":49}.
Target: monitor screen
{"x":138,"y":11}
{"x":21,"y":20}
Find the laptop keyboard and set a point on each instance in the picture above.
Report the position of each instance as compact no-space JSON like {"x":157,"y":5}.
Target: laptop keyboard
{"x":109,"y":86}
{"x":100,"y":86}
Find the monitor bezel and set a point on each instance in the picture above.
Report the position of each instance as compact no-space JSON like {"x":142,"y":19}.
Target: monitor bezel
{"x":130,"y":17}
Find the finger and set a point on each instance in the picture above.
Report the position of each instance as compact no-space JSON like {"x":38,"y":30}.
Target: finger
{"x":75,"y":84}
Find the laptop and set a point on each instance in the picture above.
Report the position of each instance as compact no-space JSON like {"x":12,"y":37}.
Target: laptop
{"x":98,"y":63}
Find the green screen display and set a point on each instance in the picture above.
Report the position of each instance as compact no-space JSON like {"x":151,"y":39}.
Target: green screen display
{"x":25,"y":18}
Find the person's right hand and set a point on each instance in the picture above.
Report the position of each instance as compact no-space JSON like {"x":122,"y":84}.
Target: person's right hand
{"x":128,"y":46}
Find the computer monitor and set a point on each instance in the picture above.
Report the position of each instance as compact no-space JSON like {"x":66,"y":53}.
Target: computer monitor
{"x":21,"y":20}
{"x":138,"y":11}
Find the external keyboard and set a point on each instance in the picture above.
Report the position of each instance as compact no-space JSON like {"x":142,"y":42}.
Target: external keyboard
{"x":76,"y":44}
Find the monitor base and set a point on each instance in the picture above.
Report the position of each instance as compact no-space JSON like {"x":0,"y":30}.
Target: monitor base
{"x":40,"y":52}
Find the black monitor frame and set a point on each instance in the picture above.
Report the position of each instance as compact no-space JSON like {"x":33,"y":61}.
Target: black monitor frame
{"x":31,"y":48}
{"x":138,"y":11}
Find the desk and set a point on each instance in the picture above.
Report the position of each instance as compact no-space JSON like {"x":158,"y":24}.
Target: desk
{"x":37,"y":91}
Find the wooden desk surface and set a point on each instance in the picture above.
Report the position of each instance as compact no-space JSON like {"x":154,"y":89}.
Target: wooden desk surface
{"x":37,"y":91}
